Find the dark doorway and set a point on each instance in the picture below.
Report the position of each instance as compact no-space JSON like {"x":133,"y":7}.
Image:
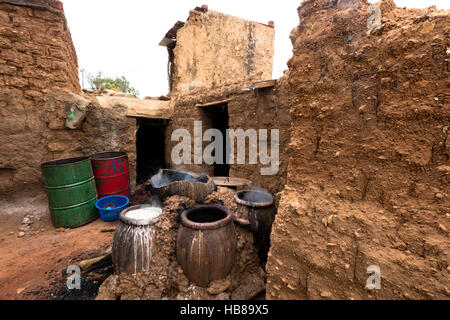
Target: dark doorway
{"x":150,"y":148}
{"x":217,"y":118}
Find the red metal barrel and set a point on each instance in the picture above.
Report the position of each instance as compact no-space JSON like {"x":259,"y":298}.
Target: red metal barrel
{"x":111,"y":174}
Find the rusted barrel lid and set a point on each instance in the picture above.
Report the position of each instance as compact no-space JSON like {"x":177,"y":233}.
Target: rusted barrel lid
{"x":231,"y":182}
{"x":108,"y":155}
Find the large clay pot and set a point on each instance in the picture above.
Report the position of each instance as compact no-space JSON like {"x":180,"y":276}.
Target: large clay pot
{"x":259,"y":208}
{"x":133,"y":243}
{"x":171,"y":182}
{"x":206,"y":243}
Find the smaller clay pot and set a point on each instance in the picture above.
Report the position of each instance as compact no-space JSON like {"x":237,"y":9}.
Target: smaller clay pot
{"x":133,"y":243}
{"x":259,"y":208}
{"x":206,"y":243}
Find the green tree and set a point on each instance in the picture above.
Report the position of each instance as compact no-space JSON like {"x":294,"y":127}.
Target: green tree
{"x":119,"y":83}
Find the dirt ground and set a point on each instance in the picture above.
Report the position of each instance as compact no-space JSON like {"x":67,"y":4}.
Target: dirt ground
{"x":31,"y":266}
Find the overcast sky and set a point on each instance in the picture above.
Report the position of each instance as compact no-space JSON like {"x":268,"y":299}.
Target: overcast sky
{"x":121,"y":37}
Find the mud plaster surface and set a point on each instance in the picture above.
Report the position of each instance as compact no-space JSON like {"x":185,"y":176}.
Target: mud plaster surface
{"x":368,"y":174}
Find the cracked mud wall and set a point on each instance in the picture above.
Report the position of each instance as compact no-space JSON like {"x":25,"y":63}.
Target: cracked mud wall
{"x":215,"y":48}
{"x":368,"y":174}
{"x":37,"y":59}
{"x":38,"y":79}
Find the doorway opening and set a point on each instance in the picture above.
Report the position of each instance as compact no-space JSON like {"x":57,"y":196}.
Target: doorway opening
{"x":217,"y":118}
{"x":150,"y":148}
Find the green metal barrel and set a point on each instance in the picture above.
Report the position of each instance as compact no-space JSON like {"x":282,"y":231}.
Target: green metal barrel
{"x":71,"y":191}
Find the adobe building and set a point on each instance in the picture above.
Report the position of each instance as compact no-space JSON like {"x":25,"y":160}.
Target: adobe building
{"x":39,"y":69}
{"x":363,"y":115}
{"x":221,"y":74}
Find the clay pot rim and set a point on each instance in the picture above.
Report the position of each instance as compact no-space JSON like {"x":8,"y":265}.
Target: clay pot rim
{"x":65,"y":161}
{"x":134,"y":222}
{"x":253,"y":204}
{"x":108,"y":155}
{"x":207,"y":225}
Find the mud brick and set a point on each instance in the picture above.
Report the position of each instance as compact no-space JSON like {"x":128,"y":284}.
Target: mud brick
{"x":4,"y":18}
{"x":44,"y":63}
{"x":60,"y":76}
{"x":56,"y":53}
{"x":33,"y":94}
{"x":38,"y":83}
{"x":8,"y":32}
{"x":59,"y":65}
{"x":16,"y":82}
{"x":43,"y":14}
{"x":18,"y":10}
{"x":33,"y":72}
{"x":20,"y":21}
{"x":5,"y":43}
{"x":6,"y":69}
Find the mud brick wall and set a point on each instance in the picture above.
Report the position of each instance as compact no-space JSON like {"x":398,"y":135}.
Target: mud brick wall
{"x":38,"y":79}
{"x":37,"y":59}
{"x":259,"y":109}
{"x":36,"y":51}
{"x":368,"y":175}
{"x":214,"y":48}
{"x":106,"y":128}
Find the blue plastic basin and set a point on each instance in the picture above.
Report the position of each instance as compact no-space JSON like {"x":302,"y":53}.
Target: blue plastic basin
{"x":110,"y":207}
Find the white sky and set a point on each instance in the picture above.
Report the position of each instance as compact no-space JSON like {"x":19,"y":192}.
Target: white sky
{"x":121,"y":37}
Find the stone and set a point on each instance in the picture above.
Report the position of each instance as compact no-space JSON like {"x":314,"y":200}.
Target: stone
{"x":439,"y":195}
{"x":325,"y":294}
{"x":362,"y":109}
{"x":386,"y":80}
{"x":223,"y":296}
{"x":428,"y":26}
{"x":24,"y":227}
{"x":330,"y":219}
{"x":442,"y":228}
{"x":26,"y":220}
{"x":218,"y":286}
{"x":21,"y":234}
{"x":56,"y":146}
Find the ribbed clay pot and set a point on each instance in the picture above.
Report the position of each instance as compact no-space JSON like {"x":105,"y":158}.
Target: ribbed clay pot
{"x":259,"y":208}
{"x":133,"y":243}
{"x":206,"y":243}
